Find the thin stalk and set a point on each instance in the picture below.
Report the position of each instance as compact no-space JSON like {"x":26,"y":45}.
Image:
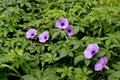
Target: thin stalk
{"x":5,"y":65}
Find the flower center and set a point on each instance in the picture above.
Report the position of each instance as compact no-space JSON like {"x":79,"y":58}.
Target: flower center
{"x":45,"y":37}
{"x":62,"y":24}
{"x":93,"y":52}
{"x":69,"y":30}
{"x":32,"y":34}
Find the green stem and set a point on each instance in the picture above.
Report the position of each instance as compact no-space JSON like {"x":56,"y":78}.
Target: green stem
{"x":65,"y":36}
{"x":12,"y":74}
{"x":5,"y":65}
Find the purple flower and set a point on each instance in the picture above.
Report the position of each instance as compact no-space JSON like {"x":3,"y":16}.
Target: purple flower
{"x":91,"y":50}
{"x":43,"y":37}
{"x":101,"y":63}
{"x":33,"y":45}
{"x":31,"y":33}
{"x":62,"y":23}
{"x":70,"y":30}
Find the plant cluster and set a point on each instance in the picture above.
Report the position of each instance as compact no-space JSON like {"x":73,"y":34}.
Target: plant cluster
{"x":59,"y":39}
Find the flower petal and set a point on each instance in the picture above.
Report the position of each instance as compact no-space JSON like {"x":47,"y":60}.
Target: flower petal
{"x":88,"y":54}
{"x":93,"y":47}
{"x":31,"y":33}
{"x":62,"y":23}
{"x":103,"y":60}
{"x":91,"y":50}
{"x":43,"y":37}
{"x":101,"y":63}
{"x":70,"y":30}
{"x":98,"y":67}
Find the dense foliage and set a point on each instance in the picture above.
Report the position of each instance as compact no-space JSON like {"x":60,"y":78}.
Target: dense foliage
{"x":61,"y":57}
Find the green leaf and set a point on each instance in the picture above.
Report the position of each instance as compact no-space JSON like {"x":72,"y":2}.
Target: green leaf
{"x":115,"y":41}
{"x":20,"y":52}
{"x":82,"y":29}
{"x":60,"y":70}
{"x":37,"y":73}
{"x":55,"y":34}
{"x":84,"y":69}
{"x":76,"y":29}
{"x":78,"y":59}
{"x":87,"y":62}
{"x":49,"y":74}
{"x":76,"y":46}
{"x":63,"y":53}
{"x":70,"y":54}
{"x":89,"y":72}
{"x":108,"y":42}
{"x":47,"y":57}
{"x":116,"y":66}
{"x":78,"y":71}
{"x":114,"y":76}
{"x":101,"y":52}
{"x":29,"y":77}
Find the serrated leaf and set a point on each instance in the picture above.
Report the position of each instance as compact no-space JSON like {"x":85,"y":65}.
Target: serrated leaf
{"x":78,"y":71}
{"x":116,"y":66}
{"x":55,"y":35}
{"x":29,"y":77}
{"x":63,"y":53}
{"x":78,"y":59}
{"x":115,"y":41}
{"x":87,"y":62}
{"x":20,"y":52}
{"x":76,"y":29}
{"x":114,"y":76}
{"x":82,"y":29}
{"x":48,"y":58}
{"x":108,"y":42}
{"x":37,"y":73}
{"x":70,"y":54}
{"x":84,"y":69}
{"x":49,"y":74}
{"x":76,"y":46}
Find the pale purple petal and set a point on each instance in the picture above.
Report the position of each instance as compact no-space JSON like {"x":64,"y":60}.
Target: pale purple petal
{"x":70,"y":30}
{"x":88,"y":54}
{"x":62,"y":23}
{"x":98,"y":67}
{"x":91,"y":50}
{"x":31,"y":33}
{"x":101,"y":63}
{"x":103,"y":60}
{"x":43,"y":37}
